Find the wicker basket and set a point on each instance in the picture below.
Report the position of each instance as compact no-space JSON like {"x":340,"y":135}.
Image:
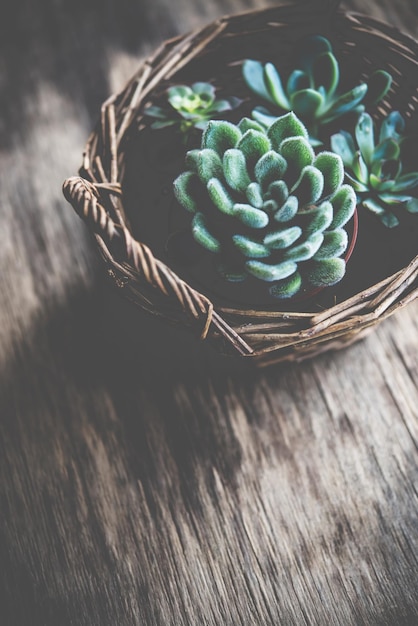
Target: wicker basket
{"x":266,"y":336}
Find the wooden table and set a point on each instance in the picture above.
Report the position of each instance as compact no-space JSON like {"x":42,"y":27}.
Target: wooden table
{"x":134,"y":494}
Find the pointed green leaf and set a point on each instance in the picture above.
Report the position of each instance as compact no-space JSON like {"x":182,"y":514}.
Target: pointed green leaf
{"x":286,"y":126}
{"x":279,"y":191}
{"x":365,"y":137}
{"x":393,"y":127}
{"x":387,"y":150}
{"x":270,"y":206}
{"x":176,"y":95}
{"x":288,"y":210}
{"x":235,"y":170}
{"x":389,"y":219}
{"x":332,"y":168}
{"x":254,"y":145}
{"x":306,"y":103}
{"x":373,"y":206}
{"x":192,"y":157}
{"x":157,"y":112}
{"x":287,"y":287}
{"x":250,"y":248}
{"x":220,"y":196}
{"x":309,"y":187}
{"x":248,"y":124}
{"x":254,"y":195}
{"x":407,"y":181}
{"x":220,"y":136}
{"x":270,"y":273}
{"x":269,"y":168}
{"x":379,"y":84}
{"x":412,"y":205}
{"x":360,"y":168}
{"x":202,"y":235}
{"x":359,"y":187}
{"x":325,"y":72}
{"x":346,"y":102}
{"x":334,"y":244}
{"x":320,"y":218}
{"x":305,"y":250}
{"x":186,"y":188}
{"x":209,"y":165}
{"x":394,"y":198}
{"x":297,"y":81}
{"x":344,"y":204}
{"x":274,"y":86}
{"x":342,"y":144}
{"x":250,"y":216}
{"x":253,"y":74}
{"x":326,"y":272}
{"x":298,"y":152}
{"x":282,"y":239}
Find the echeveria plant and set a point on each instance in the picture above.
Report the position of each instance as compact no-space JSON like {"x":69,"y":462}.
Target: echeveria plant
{"x":312,"y":90}
{"x":190,"y":107}
{"x":374,"y":167}
{"x":267,"y":206}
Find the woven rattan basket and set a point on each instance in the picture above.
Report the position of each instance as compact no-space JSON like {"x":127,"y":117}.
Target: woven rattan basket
{"x":215,"y":53}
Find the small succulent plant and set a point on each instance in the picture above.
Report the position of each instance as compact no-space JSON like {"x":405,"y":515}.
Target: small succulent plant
{"x":190,"y":107}
{"x":311,"y":90}
{"x":374,"y":167}
{"x":267,"y":206}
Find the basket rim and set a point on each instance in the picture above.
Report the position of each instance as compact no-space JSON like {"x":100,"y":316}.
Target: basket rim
{"x":96,"y":196}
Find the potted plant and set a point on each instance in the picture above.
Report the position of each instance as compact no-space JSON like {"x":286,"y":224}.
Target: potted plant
{"x":253,"y":146}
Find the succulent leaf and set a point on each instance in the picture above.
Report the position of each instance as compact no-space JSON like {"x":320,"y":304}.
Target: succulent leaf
{"x":185,"y":191}
{"x":378,"y":85}
{"x":254,"y":195}
{"x":393,"y":127}
{"x":334,"y":244}
{"x":326,"y":272}
{"x":203,"y":236}
{"x":279,"y":192}
{"x":220,"y":196}
{"x":288,"y":210}
{"x":284,"y":127}
{"x":248,"y":124}
{"x":280,"y":239}
{"x":320,"y":218}
{"x":250,"y":248}
{"x":297,"y":81}
{"x":365,"y":137}
{"x":342,"y":143}
{"x":298,"y":152}
{"x":209,"y":165}
{"x":288,"y":287}
{"x":326,"y":72}
{"x":306,"y":103}
{"x":269,"y":168}
{"x":271,"y":273}
{"x":220,"y":136}
{"x":309,"y":186}
{"x":274,"y":86}
{"x":332,"y":168}
{"x":250,"y":216}
{"x":235,"y":169}
{"x":253,"y":74}
{"x":305,"y":250}
{"x":344,"y":203}
{"x":254,"y":144}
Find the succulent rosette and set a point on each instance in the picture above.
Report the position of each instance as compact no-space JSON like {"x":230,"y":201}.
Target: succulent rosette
{"x":266,"y":206}
{"x":312,"y":91}
{"x":374,"y":167}
{"x":190,"y":107}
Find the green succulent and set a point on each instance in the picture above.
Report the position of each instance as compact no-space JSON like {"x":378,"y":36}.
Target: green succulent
{"x":374,"y":167}
{"x":190,"y":107}
{"x":267,"y":206}
{"x":312,"y":90}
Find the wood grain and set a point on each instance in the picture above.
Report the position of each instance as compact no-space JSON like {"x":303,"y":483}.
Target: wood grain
{"x":143,"y":489}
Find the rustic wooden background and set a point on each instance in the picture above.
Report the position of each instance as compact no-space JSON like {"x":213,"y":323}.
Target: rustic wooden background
{"x":135,"y":493}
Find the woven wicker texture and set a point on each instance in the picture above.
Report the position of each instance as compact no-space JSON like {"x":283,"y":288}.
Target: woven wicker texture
{"x":266,"y":336}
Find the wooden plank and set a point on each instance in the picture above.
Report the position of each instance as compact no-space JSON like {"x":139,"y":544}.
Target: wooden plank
{"x":137,"y":489}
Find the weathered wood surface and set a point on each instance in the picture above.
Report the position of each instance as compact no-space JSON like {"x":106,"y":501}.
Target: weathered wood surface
{"x":134,"y":492}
